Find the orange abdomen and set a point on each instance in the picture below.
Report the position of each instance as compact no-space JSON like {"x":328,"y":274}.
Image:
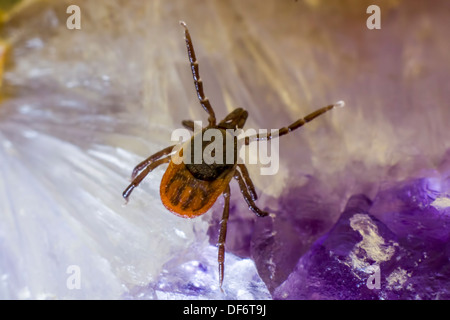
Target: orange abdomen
{"x":187,"y":196}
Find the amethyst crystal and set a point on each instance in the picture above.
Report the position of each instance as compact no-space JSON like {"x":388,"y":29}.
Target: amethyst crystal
{"x":276,"y":242}
{"x":394,"y":248}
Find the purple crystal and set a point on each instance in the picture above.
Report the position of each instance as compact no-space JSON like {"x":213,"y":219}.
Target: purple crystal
{"x":276,"y":242}
{"x":394,"y":248}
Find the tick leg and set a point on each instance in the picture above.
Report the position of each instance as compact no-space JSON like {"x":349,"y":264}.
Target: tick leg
{"x":223,"y":235}
{"x":247,"y":197}
{"x":248,"y":181}
{"x":142,"y":175}
{"x":297,"y":124}
{"x":151,"y":159}
{"x":188,"y":124}
{"x":197,"y":80}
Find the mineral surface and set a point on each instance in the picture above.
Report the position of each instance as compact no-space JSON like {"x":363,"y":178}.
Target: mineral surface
{"x":359,"y":205}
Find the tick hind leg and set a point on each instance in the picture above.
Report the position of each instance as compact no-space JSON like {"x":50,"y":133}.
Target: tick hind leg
{"x":223,"y":235}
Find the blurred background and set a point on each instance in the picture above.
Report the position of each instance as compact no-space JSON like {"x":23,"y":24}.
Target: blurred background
{"x":79,"y":108}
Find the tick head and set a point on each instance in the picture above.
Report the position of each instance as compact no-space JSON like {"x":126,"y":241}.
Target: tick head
{"x":234,"y":120}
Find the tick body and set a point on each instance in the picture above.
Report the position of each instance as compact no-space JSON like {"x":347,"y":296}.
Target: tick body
{"x":190,"y":189}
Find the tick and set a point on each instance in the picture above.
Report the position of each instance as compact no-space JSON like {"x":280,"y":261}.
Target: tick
{"x":190,"y":189}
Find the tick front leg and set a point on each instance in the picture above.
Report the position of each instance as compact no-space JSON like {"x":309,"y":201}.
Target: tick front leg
{"x":151,"y":159}
{"x":247,"y":197}
{"x":142,"y":175}
{"x":297,"y":124}
{"x":204,"y":101}
{"x":223,"y":235}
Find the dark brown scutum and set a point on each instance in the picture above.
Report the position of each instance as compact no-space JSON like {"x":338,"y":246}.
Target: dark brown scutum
{"x":210,"y":172}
